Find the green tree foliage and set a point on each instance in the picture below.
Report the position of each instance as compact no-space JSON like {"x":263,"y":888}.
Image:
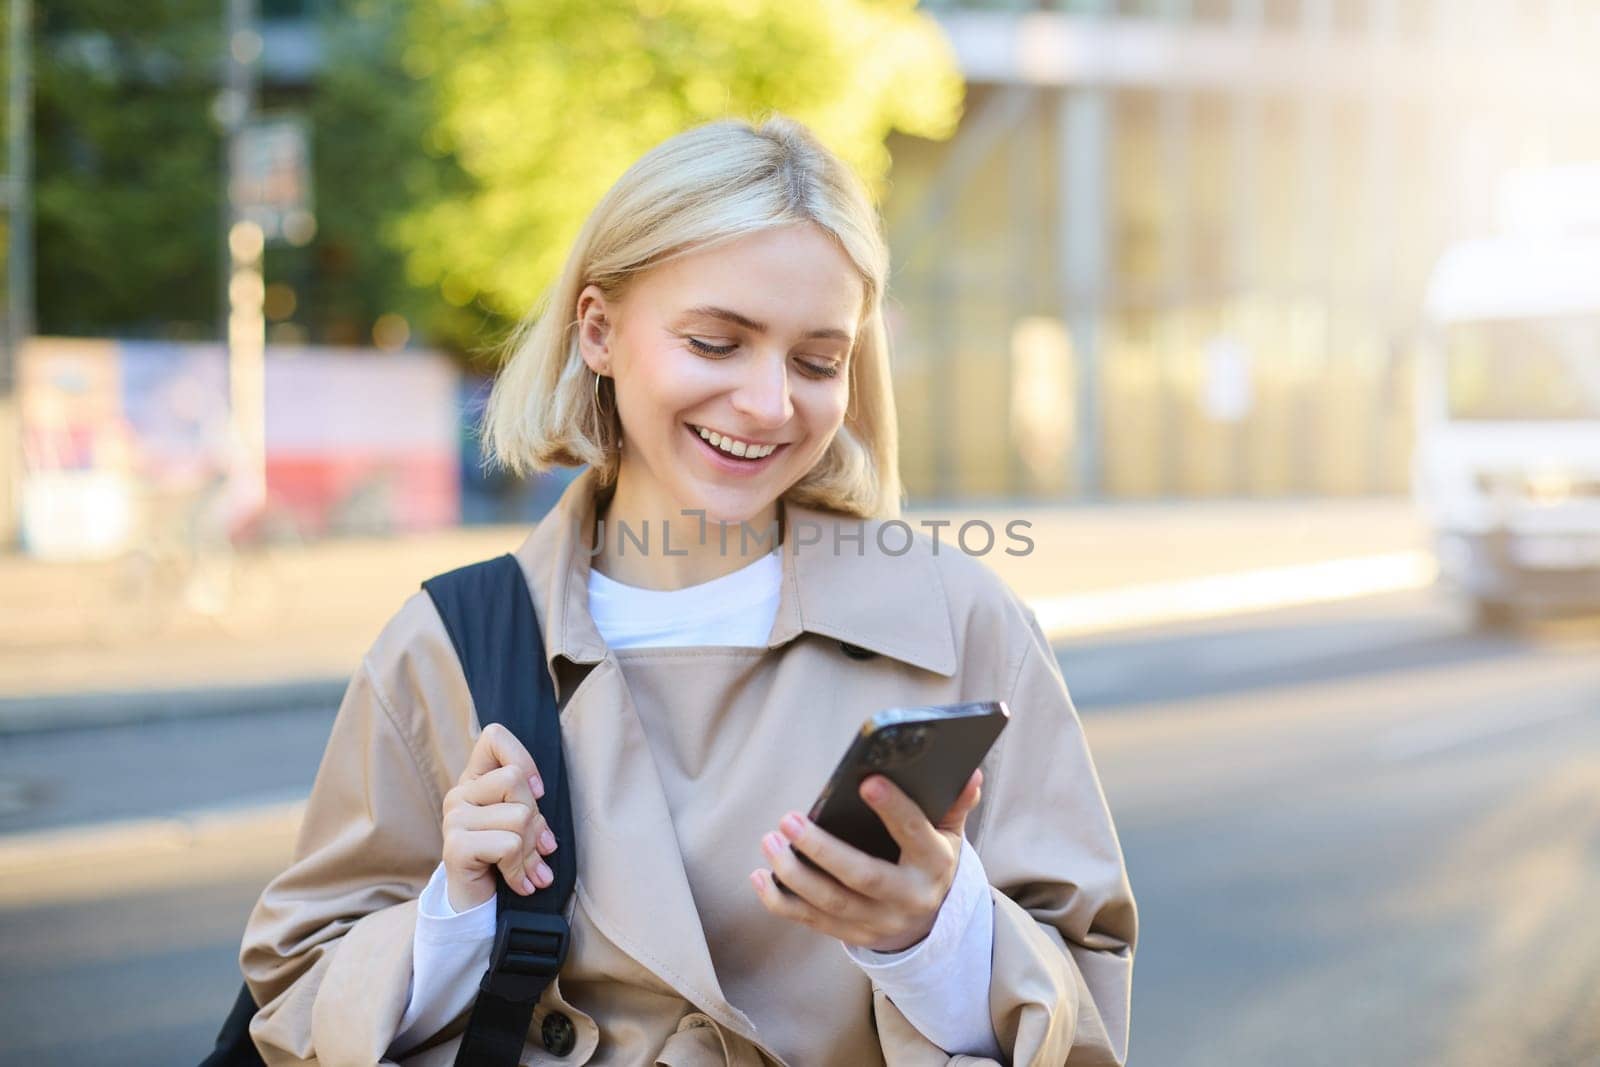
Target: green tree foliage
{"x":368,"y":119}
{"x":457,"y":144}
{"x":543,"y":105}
{"x":126,"y":166}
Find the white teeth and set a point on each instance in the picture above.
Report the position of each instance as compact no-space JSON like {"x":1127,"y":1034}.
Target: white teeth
{"x":735,"y":448}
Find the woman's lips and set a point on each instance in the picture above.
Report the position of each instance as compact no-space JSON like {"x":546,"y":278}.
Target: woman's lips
{"x":731,"y":463}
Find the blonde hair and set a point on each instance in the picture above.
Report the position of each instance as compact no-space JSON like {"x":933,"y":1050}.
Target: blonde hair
{"x":713,"y":183}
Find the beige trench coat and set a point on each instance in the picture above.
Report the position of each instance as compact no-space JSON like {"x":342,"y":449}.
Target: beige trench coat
{"x":327,"y":951}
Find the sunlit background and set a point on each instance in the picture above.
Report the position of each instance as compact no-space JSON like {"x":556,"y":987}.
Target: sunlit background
{"x":1280,"y":320}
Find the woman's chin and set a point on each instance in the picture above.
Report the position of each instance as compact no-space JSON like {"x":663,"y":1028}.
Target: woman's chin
{"x":729,"y":505}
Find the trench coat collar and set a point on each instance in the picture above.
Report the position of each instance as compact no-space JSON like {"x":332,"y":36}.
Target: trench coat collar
{"x":837,"y":582}
{"x":891,"y":605}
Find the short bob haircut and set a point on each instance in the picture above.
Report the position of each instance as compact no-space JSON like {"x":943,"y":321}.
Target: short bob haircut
{"x":710,"y":184}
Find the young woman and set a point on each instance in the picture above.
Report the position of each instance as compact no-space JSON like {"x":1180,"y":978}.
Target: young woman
{"x":725,"y":594}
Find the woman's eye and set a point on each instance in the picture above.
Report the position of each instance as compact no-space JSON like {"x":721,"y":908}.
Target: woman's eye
{"x":811,"y":368}
{"x":708,"y":349}
{"x":820,"y":370}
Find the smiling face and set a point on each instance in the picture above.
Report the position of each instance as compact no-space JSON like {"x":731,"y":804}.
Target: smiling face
{"x":721,"y":355}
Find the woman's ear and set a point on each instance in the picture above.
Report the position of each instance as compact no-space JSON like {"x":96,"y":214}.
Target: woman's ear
{"x":595,"y":320}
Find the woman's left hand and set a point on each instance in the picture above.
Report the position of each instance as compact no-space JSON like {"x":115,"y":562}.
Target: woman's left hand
{"x":860,"y":899}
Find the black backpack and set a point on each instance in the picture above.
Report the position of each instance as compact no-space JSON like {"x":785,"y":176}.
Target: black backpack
{"x":489,"y":614}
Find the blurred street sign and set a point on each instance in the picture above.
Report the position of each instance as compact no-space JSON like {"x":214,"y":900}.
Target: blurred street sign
{"x":1043,"y":397}
{"x":272,"y":178}
{"x":1228,"y":394}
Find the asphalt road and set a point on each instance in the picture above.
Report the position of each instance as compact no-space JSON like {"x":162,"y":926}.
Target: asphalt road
{"x":1357,"y":833}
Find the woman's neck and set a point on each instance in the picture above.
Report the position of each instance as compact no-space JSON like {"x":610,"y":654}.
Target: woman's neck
{"x":653,"y":546}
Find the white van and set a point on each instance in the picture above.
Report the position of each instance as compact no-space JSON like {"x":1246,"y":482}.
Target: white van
{"x":1507,"y":464}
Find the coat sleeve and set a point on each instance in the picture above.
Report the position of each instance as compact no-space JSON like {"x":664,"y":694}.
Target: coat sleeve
{"x":1065,"y":924}
{"x":1064,"y":920}
{"x":327,"y":949}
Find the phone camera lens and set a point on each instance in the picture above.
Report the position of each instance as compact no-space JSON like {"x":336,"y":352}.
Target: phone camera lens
{"x":910,"y":743}
{"x":895,"y":746}
{"x":882,"y":751}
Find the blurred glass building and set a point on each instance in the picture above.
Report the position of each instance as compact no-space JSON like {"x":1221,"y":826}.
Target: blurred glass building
{"x":1179,"y":247}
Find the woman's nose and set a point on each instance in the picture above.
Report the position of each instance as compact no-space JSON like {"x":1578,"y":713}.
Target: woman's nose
{"x":763,"y":395}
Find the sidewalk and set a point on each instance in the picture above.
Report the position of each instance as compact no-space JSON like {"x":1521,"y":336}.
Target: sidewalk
{"x":1091,"y":567}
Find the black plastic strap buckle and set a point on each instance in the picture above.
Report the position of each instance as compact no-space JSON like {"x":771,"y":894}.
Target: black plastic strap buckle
{"x":529,"y":949}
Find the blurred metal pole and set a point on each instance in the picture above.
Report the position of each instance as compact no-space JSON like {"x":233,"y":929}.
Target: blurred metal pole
{"x":1245,"y":136}
{"x":1317,"y":297}
{"x":245,"y":289}
{"x":19,"y":189}
{"x":1022,"y":171}
{"x":945,"y":323}
{"x":19,"y":258}
{"x":1083,"y":145}
{"x":1174,"y":340}
{"x":1022,"y":168}
{"x":1383,"y":222}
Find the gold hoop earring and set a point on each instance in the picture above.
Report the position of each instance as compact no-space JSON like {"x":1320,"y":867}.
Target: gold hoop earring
{"x":597,"y":413}
{"x":602,"y":418}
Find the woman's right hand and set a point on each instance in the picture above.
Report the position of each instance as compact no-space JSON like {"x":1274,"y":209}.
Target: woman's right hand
{"x":492,"y":821}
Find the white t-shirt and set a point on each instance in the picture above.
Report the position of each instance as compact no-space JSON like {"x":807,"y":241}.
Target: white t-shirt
{"x":735,"y":609}
{"x":941,"y":984}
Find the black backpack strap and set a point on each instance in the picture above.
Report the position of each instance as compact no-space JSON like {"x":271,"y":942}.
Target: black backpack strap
{"x":488,"y":613}
{"x":234,"y":1047}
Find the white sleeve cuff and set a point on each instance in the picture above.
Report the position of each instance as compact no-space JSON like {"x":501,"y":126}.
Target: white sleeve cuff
{"x":941,"y":984}
{"x":450,"y":952}
{"x":442,"y":924}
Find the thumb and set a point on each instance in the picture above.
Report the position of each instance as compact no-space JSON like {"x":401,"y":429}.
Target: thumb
{"x":955,"y":820}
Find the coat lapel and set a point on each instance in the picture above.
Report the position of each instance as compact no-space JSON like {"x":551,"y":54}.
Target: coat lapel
{"x":838,"y":582}
{"x":631,"y":879}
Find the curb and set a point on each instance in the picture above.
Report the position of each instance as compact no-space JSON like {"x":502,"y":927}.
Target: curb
{"x":37,"y":853}
{"x":57,"y":866}
{"x":85,"y":711}
{"x":1073,"y":617}
{"x":1219,"y":596}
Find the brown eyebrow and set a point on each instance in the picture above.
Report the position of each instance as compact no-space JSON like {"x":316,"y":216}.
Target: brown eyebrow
{"x":761,"y":327}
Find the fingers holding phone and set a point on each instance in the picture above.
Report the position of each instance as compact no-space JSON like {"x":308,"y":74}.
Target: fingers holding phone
{"x":886,"y":828}
{"x":860,"y":899}
{"x":840,"y":891}
{"x":910,"y":827}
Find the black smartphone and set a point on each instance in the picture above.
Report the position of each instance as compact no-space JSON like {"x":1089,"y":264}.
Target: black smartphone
{"x":928,"y":751}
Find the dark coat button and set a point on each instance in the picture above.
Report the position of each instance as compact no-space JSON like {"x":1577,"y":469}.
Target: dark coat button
{"x":855,"y":651}
{"x":557,"y":1033}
